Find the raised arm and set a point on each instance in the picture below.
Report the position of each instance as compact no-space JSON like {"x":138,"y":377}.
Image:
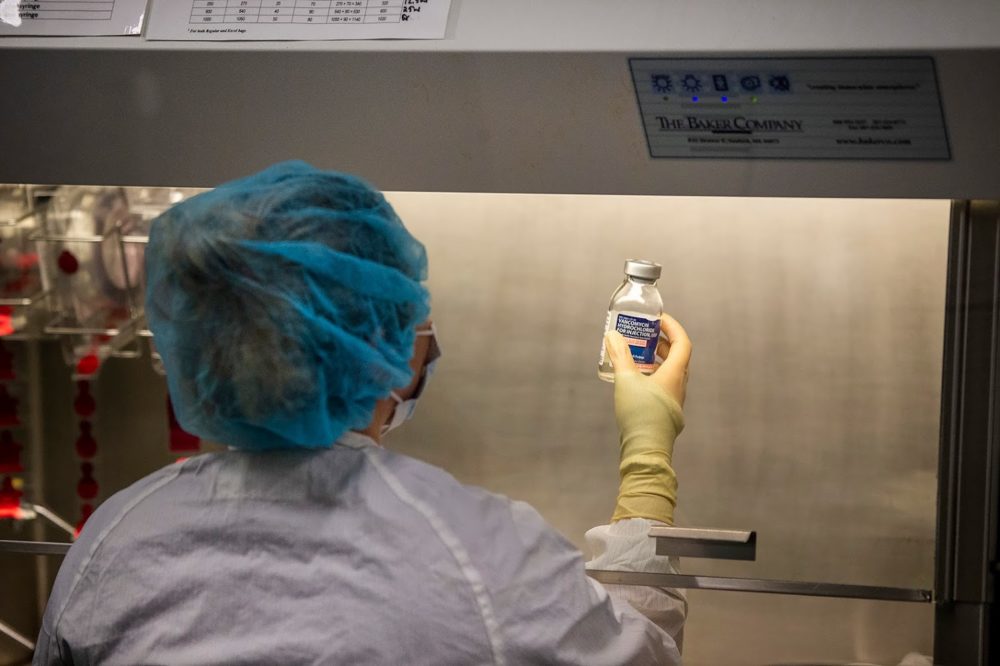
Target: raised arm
{"x":648,"y":410}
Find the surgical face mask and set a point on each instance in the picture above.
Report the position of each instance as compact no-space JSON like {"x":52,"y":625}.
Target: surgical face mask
{"x":405,"y":408}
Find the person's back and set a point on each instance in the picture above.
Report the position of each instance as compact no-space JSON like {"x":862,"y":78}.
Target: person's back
{"x":350,"y":555}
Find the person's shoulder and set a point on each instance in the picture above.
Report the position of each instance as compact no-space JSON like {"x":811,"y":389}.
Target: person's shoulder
{"x":110,"y":513}
{"x":488,"y":522}
{"x":97,"y":531}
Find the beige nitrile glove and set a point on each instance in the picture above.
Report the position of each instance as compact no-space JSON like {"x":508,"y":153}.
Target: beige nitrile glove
{"x":649,"y":416}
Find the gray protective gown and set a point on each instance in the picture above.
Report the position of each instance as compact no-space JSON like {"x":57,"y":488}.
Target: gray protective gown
{"x":349,"y":555}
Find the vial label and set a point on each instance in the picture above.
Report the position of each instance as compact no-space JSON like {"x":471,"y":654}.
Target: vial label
{"x":641,"y":334}
{"x":607,"y":327}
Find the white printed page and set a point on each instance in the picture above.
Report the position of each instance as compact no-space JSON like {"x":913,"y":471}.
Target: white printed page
{"x":71,"y":17}
{"x":297,"y":19}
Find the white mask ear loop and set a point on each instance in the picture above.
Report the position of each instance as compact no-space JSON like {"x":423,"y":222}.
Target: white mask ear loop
{"x":405,"y":408}
{"x":400,"y":415}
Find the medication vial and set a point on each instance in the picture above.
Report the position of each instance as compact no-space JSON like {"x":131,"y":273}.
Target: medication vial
{"x":634,"y":312}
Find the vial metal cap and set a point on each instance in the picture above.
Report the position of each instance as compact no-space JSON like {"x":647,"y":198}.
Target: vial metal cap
{"x":642,"y":269}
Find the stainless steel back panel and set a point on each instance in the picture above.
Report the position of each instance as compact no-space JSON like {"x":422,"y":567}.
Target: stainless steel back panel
{"x":813,"y":405}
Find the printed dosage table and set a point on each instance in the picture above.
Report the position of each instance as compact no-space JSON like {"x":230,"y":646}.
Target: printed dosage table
{"x":301,"y":11}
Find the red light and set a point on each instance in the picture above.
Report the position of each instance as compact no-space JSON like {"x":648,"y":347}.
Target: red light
{"x":27,"y":261}
{"x":10,"y":500}
{"x":13,"y":512}
{"x":88,"y":365}
{"x":86,"y":510}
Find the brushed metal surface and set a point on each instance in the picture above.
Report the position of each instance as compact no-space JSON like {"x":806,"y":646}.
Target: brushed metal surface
{"x":451,"y":119}
{"x":800,"y":588}
{"x":732,"y":536}
{"x":813,"y":404}
{"x":705,"y":543}
{"x":29,"y":547}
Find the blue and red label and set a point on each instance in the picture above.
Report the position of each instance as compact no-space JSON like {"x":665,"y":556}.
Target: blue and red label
{"x":641,"y":334}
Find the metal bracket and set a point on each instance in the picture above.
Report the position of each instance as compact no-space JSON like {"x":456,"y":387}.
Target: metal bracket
{"x":705,"y":543}
{"x":762,"y":585}
{"x":34,"y":547}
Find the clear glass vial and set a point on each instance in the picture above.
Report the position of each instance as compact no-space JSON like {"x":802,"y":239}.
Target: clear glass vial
{"x":634,"y":312}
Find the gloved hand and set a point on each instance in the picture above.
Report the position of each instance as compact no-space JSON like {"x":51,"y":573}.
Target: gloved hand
{"x":649,"y":416}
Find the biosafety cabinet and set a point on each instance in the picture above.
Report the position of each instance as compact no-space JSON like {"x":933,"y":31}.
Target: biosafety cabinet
{"x":819,"y":179}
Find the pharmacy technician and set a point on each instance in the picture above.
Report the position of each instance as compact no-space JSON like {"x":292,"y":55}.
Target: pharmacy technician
{"x":294,"y":328}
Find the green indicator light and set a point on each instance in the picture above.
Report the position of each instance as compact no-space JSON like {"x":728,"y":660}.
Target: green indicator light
{"x":753,"y":99}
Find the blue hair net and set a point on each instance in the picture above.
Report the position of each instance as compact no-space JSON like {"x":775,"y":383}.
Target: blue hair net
{"x":284,"y":306}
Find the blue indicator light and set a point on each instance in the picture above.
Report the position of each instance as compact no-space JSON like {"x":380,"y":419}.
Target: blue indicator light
{"x":725,"y":99}
{"x":694,"y":99}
